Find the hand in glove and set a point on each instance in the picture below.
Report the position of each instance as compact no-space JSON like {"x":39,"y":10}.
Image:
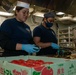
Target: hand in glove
{"x":30,"y":48}
{"x":54,"y":46}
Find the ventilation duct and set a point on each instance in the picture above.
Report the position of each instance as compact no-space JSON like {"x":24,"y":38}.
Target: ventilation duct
{"x":8,"y":5}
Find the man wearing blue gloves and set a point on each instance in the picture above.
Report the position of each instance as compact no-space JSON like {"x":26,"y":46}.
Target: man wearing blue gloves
{"x":15,"y":35}
{"x":45,"y":37}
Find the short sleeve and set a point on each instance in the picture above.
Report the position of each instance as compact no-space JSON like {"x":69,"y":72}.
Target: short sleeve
{"x":37,"y":32}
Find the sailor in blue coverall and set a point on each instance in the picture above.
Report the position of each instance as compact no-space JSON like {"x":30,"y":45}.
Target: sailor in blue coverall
{"x":15,"y":35}
{"x":45,"y":37}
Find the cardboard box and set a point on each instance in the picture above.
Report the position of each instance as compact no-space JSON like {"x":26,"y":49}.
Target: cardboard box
{"x":60,"y":66}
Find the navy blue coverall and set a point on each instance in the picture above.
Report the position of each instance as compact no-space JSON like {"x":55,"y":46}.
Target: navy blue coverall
{"x":46,"y":35}
{"x":13,"y":32}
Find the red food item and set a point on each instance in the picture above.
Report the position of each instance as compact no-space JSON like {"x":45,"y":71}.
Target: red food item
{"x":34,"y":63}
{"x":31,"y":63}
{"x":47,"y":71}
{"x":21,"y":60}
{"x":23,"y":64}
{"x":15,"y":61}
{"x":40,"y":62}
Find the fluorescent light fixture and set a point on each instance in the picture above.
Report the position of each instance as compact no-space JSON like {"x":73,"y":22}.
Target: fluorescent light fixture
{"x":6,"y":13}
{"x":39,"y":14}
{"x":60,"y":13}
{"x":74,"y":19}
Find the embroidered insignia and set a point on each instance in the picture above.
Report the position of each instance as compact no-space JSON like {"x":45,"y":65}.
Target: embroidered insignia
{"x":28,"y":29}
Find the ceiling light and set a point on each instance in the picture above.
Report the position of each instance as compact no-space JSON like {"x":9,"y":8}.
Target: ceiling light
{"x":74,"y":19}
{"x":60,"y":13}
{"x":39,"y":14}
{"x":6,"y":13}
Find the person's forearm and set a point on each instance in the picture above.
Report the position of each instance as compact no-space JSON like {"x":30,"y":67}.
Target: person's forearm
{"x":43,"y":45}
{"x":18,"y":46}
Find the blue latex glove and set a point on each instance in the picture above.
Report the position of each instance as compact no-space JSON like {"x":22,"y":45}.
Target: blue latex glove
{"x":54,"y":46}
{"x":30,"y":48}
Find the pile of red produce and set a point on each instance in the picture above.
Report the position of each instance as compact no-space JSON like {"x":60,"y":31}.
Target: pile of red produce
{"x":30,"y":62}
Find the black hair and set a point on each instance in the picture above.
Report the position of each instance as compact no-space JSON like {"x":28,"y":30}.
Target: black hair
{"x":18,"y":9}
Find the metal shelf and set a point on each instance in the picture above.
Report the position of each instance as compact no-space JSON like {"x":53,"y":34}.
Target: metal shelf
{"x":65,"y":37}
